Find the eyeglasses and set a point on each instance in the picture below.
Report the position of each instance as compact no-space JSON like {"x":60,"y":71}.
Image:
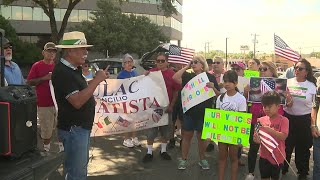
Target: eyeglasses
{"x":160,"y":61}
{"x":216,"y":63}
{"x":263,"y":69}
{"x":194,"y":62}
{"x":51,"y":51}
{"x":235,"y":69}
{"x":8,"y":47}
{"x":299,"y":68}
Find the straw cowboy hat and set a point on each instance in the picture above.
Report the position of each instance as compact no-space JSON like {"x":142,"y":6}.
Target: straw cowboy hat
{"x":73,"y":39}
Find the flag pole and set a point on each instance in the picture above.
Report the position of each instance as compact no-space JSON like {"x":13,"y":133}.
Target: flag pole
{"x":287,"y":162}
{"x":274,"y":49}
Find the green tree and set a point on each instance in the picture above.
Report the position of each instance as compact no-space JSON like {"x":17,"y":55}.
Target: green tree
{"x":49,"y":5}
{"x":23,"y":52}
{"x":118,"y":33}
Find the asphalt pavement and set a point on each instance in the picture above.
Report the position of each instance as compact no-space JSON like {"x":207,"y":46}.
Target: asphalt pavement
{"x":110,"y":160}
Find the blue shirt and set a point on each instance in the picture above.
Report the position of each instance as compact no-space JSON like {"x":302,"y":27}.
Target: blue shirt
{"x":13,"y":74}
{"x":126,"y":74}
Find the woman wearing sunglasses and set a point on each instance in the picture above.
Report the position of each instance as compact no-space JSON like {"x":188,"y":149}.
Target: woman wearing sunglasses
{"x":303,"y":90}
{"x":194,"y":117}
{"x":266,"y":69}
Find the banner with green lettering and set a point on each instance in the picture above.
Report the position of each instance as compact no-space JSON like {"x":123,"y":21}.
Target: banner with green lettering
{"x":227,"y":126}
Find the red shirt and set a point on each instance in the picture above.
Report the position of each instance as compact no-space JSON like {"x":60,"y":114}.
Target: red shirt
{"x":280,"y":124}
{"x":171,"y":85}
{"x":38,"y":70}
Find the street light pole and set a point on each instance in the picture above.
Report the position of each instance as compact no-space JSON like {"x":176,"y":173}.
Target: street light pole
{"x":226,"y":52}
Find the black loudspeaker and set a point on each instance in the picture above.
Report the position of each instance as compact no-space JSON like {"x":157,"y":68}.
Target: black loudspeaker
{"x":18,"y":120}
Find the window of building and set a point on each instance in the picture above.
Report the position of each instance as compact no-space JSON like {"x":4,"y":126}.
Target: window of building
{"x":45,"y":17}
{"x":62,"y":13}
{"x":6,"y":12}
{"x":90,"y":15}
{"x":57,"y":14}
{"x":153,"y":2}
{"x":26,"y":13}
{"x":153,"y":18}
{"x":132,"y":0}
{"x":37,"y":14}
{"x":17,"y":12}
{"x":160,"y":20}
{"x":167,"y":21}
{"x":83,"y":15}
{"x":178,"y":6}
{"x":74,"y":16}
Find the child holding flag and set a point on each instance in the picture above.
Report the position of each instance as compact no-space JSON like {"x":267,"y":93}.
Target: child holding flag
{"x":231,"y":100}
{"x":271,"y":132}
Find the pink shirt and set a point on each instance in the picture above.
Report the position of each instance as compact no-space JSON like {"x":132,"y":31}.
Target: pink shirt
{"x":280,"y":124}
{"x":38,"y":70}
{"x":171,"y":85}
{"x":257,"y":111}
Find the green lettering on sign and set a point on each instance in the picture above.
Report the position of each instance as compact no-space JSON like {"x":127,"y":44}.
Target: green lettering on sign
{"x":227,"y":126}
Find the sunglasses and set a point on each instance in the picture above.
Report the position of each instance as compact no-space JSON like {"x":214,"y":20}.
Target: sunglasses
{"x":216,"y":63}
{"x":235,"y":69}
{"x":299,"y":68}
{"x":160,"y":61}
{"x":263,"y":69}
{"x":8,"y":47}
{"x":194,"y":62}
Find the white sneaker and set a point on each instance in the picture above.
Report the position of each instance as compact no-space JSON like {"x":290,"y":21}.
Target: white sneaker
{"x":46,"y":147}
{"x":136,"y":141}
{"x":61,"y":147}
{"x":128,"y":143}
{"x":249,"y":177}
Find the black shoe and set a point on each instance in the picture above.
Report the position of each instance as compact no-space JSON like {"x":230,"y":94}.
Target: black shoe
{"x":302,"y":177}
{"x":210,"y":148}
{"x":147,"y":158}
{"x":165,"y":156}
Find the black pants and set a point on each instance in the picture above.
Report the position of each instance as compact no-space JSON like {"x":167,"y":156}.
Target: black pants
{"x":253,"y":151}
{"x":300,"y":139}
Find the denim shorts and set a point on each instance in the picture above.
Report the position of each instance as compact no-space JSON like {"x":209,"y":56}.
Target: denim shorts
{"x":189,"y":124}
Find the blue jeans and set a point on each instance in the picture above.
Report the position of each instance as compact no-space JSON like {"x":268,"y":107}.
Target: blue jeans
{"x":76,"y":144}
{"x":316,"y":157}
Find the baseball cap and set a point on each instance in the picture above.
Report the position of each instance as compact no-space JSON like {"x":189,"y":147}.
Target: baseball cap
{"x":49,"y":45}
{"x":209,"y":61}
{"x":5,"y":42}
{"x":240,"y":64}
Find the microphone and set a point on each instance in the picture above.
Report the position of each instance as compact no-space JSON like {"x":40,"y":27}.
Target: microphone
{"x":96,"y":67}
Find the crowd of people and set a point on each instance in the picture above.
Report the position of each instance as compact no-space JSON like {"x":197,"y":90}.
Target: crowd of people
{"x":293,"y":125}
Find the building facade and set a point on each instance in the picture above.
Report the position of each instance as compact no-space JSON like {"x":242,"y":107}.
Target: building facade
{"x":32,"y":24}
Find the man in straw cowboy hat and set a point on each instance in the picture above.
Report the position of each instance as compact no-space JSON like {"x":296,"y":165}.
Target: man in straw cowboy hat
{"x":76,"y":105}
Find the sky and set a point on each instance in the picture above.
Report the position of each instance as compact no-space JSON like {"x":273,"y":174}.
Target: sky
{"x":297,"y":22}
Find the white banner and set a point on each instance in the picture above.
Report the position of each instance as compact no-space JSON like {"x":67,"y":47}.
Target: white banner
{"x":196,"y":91}
{"x":125,"y":105}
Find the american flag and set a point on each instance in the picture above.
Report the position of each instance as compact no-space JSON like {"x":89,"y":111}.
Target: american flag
{"x":283,"y":50}
{"x":180,"y":55}
{"x":122,"y":122}
{"x":267,"y":141}
{"x":267,"y":85}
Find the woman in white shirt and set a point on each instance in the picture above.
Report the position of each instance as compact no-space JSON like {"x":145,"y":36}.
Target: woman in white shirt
{"x":302,"y":88}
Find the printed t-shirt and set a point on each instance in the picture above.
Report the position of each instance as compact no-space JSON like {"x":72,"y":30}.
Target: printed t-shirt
{"x":236,"y":102}
{"x":280,"y":124}
{"x":302,"y":94}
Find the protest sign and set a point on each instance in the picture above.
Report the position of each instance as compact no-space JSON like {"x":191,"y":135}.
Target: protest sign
{"x":261,"y":85}
{"x":242,"y":83}
{"x":196,"y":91}
{"x":227,"y":126}
{"x":124,"y":105}
{"x":250,"y":73}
